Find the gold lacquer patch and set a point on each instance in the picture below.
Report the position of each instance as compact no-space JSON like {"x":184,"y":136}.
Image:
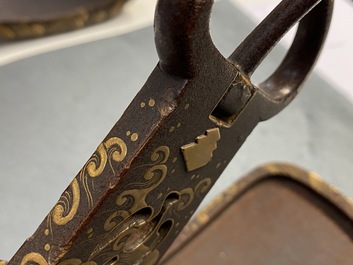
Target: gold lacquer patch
{"x":199,"y":153}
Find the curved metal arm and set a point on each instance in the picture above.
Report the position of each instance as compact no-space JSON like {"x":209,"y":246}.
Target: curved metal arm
{"x":183,"y":40}
{"x":282,"y":86}
{"x":182,"y":35}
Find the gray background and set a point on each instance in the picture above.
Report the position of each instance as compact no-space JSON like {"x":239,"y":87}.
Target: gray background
{"x":55,"y":108}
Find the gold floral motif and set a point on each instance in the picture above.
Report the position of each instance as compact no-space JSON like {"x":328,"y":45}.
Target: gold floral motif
{"x":62,"y":214}
{"x":31,"y":258}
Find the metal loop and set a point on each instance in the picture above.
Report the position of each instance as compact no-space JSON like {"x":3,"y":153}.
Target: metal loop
{"x":282,"y":86}
{"x":183,"y":39}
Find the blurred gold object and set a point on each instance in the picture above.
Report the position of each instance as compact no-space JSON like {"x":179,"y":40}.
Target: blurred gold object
{"x":21,"y":19}
{"x":276,"y":214}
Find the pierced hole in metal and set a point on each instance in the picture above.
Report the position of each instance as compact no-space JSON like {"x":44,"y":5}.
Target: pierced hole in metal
{"x":164,"y":229}
{"x":140,"y":227}
{"x":143,"y":213}
{"x":113,"y":261}
{"x":275,"y":56}
{"x":232,"y":102}
{"x":172,"y":197}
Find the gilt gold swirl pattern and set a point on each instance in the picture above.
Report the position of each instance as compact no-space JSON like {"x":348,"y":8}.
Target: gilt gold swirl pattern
{"x":135,"y":199}
{"x":131,"y":232}
{"x":77,"y":262}
{"x":114,"y":219}
{"x":186,"y":198}
{"x":122,"y":226}
{"x":99,"y":158}
{"x":202,"y":187}
{"x":113,"y":149}
{"x":34,"y":258}
{"x":62,"y":213}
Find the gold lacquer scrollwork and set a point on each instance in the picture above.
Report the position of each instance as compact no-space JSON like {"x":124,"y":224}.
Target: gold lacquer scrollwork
{"x":97,"y":162}
{"x":34,"y":258}
{"x":187,"y":195}
{"x":64,"y":212}
{"x":202,"y":187}
{"x":77,"y":262}
{"x":186,"y":198}
{"x":114,"y":219}
{"x":134,"y":231}
{"x":135,"y":199}
{"x":120,"y":242}
{"x":113,"y":149}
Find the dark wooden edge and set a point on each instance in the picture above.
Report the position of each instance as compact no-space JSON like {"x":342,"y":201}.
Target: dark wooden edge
{"x":308,"y":179}
{"x":67,"y":22}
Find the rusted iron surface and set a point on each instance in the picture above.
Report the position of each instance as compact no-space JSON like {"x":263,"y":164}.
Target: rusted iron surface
{"x":278,"y":214}
{"x":147,"y":177}
{"x":27,"y":19}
